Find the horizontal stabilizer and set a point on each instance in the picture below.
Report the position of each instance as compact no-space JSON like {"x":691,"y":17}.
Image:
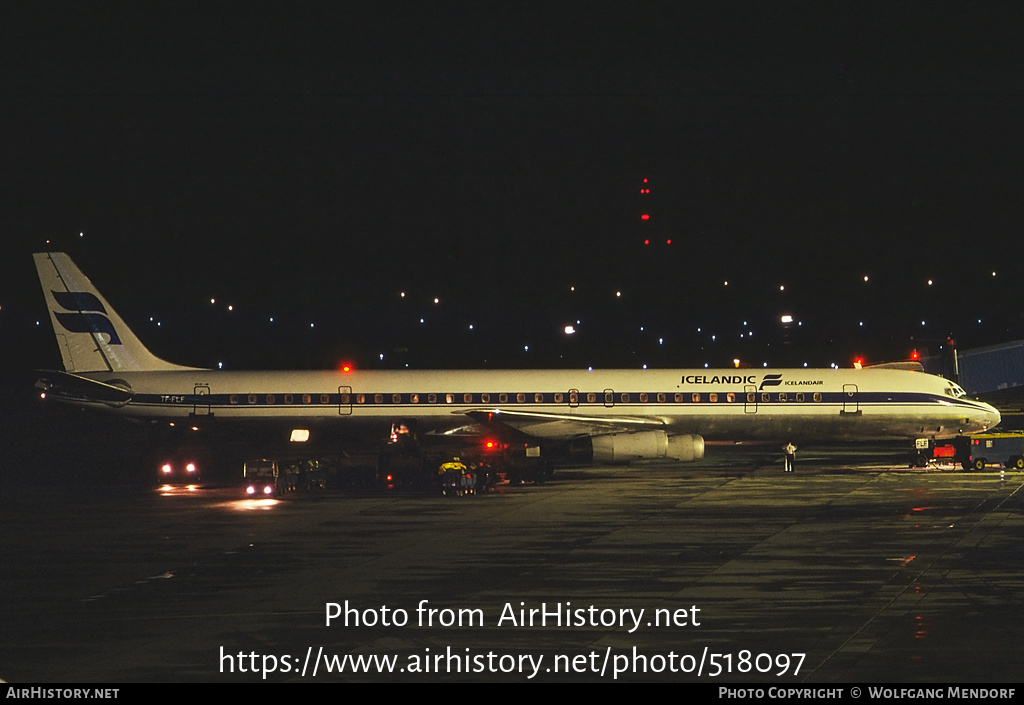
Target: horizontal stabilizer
{"x":72,"y":386}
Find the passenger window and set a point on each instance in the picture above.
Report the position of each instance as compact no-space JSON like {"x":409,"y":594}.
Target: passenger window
{"x":679,"y":397}
{"x":396,"y":398}
{"x":730,"y":397}
{"x":782,"y":396}
{"x":485,"y":398}
{"x":817,"y":396}
{"x":252,"y":398}
{"x":643,"y":396}
{"x":799,"y":396}
{"x":360,"y":398}
{"x":539,"y":398}
{"x":558,"y":397}
{"x":713,"y":397}
{"x":378,"y":398}
{"x":414,"y":398}
{"x":520,"y":397}
{"x":695,"y":398}
{"x":306,"y":399}
{"x":467,"y":398}
{"x":625,"y":397}
{"x":503,"y":398}
{"x":661,"y":397}
{"x":751,"y":397}
{"x":449,"y":398}
{"x":431,"y":398}
{"x":766,"y":397}
{"x":609,"y":398}
{"x":288,"y":399}
{"x":325,"y":398}
{"x":270,"y":398}
{"x":234,"y":398}
{"x":591,"y":397}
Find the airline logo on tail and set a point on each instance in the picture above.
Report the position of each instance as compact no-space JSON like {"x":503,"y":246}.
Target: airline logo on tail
{"x":89,"y":314}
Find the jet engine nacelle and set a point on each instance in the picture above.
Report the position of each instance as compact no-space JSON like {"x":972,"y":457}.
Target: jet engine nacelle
{"x":646,"y":445}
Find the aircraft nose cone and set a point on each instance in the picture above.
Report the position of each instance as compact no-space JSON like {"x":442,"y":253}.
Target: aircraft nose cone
{"x":992,"y":418}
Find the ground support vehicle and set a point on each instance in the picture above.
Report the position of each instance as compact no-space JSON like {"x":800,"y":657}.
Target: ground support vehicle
{"x":976,"y":452}
{"x":1006,"y":449}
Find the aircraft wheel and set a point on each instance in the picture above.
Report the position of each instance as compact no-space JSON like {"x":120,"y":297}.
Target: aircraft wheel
{"x":979,"y":464}
{"x":1017,"y":463}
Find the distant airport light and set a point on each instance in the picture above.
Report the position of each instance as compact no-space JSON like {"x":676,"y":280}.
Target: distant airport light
{"x":569,"y":330}
{"x":787,"y":318}
{"x":647,"y":242}
{"x":645,"y":216}
{"x":299,"y":435}
{"x":668,"y":242}
{"x":346,"y":367}
{"x":736,"y":362}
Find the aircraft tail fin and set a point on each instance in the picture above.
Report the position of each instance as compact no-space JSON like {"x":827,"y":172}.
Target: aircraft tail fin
{"x":90,"y":334}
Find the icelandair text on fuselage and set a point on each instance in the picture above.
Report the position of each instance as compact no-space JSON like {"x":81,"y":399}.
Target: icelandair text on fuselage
{"x":770,"y":381}
{"x":558,"y":614}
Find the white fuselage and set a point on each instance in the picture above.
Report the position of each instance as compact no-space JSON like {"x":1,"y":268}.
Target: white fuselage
{"x":735,"y":404}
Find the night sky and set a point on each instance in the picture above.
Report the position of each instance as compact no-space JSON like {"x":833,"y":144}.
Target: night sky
{"x":307,"y":163}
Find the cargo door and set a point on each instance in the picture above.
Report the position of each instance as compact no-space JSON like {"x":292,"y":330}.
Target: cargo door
{"x":201,"y":403}
{"x":750,"y":399}
{"x":851,"y":400}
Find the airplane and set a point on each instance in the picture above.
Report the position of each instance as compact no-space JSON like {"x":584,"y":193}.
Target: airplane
{"x":600,"y":416}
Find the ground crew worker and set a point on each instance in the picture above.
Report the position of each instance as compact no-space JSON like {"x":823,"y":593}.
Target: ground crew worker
{"x":450,"y":475}
{"x":790,"y":450}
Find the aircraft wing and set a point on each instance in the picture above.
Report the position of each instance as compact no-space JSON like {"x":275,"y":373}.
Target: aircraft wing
{"x":563,"y":426}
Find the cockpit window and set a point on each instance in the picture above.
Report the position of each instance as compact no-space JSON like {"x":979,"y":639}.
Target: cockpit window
{"x":955,"y":391}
